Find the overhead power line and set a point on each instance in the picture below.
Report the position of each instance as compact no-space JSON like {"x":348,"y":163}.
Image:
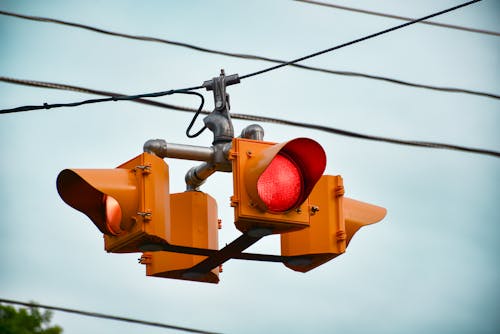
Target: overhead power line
{"x":272,"y":68}
{"x":52,"y":85}
{"x":246,"y":117}
{"x":342,"y":132}
{"x":398,"y":17}
{"x":106,"y":316}
{"x":355,"y":41}
{"x":112,"y":98}
{"x":254,"y":57}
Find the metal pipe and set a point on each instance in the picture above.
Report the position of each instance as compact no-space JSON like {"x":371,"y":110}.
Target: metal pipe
{"x":253,"y":131}
{"x":162,"y":149}
{"x":197,"y":175}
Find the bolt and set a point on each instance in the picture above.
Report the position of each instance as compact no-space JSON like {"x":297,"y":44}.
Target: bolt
{"x":146,"y":216}
{"x":341,"y":235}
{"x":249,"y":154}
{"x":145,"y":259}
{"x":146,"y":169}
{"x":339,"y":191}
{"x":314,"y":209}
{"x":298,"y":210}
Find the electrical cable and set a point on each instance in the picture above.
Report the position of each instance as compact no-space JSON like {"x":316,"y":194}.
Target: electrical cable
{"x":113,"y":98}
{"x":398,"y":17}
{"x":52,"y":85}
{"x":253,"y":57}
{"x":358,"y":135}
{"x":106,"y":316}
{"x":195,"y":117}
{"x":245,"y":117}
{"x":382,"y":32}
{"x":272,"y":68}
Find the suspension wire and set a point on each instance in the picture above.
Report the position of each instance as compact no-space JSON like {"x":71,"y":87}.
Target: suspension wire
{"x":385,"y":31}
{"x":358,"y":135}
{"x":132,"y":97}
{"x":105,"y":316}
{"x":246,"y":117}
{"x":398,"y":17}
{"x":253,"y":57}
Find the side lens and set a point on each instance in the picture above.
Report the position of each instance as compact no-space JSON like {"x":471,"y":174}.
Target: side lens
{"x":113,"y":215}
{"x":281,"y":184}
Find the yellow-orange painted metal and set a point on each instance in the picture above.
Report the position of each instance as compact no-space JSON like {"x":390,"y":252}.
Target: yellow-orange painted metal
{"x":334,"y":219}
{"x":358,"y":214}
{"x":140,"y":186}
{"x":193,"y":223}
{"x":325,"y":238}
{"x":250,"y":159}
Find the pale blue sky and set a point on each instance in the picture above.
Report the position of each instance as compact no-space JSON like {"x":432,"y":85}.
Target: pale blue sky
{"x":430,"y":267}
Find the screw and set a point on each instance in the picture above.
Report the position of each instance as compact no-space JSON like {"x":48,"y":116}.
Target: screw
{"x":339,"y":191}
{"x":314,"y":209}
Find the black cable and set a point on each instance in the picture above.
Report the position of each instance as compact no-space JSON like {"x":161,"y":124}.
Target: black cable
{"x":53,"y":85}
{"x":132,"y":97}
{"x":253,"y":57}
{"x":106,"y":316}
{"x":190,"y":126}
{"x":263,"y":119}
{"x":398,"y":17}
{"x":113,"y":98}
{"x":357,"y":40}
{"x":358,"y":135}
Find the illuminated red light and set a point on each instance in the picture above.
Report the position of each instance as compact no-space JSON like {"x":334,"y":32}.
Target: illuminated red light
{"x":113,"y":215}
{"x":280,"y":186}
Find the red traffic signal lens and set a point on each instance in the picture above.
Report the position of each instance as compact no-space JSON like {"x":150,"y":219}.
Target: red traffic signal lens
{"x":280,"y":186}
{"x":113,"y":215}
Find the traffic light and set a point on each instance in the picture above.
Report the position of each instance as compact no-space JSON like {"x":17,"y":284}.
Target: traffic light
{"x":334,"y":220}
{"x":272,"y":182}
{"x":129,"y":204}
{"x":193,"y":223}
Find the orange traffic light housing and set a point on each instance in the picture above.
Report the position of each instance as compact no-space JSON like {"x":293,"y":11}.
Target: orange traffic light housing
{"x":129,"y":204}
{"x":273,"y":181}
{"x":193,"y":223}
{"x":334,"y":220}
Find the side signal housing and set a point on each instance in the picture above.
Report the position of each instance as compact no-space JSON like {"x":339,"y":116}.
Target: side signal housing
{"x":129,"y":204}
{"x":334,"y":220}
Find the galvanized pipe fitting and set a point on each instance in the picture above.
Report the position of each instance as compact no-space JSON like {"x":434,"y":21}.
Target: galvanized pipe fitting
{"x":197,"y":175}
{"x":253,"y":131}
{"x":162,"y":149}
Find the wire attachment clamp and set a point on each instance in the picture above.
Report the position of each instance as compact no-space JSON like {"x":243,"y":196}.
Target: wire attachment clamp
{"x":219,"y":121}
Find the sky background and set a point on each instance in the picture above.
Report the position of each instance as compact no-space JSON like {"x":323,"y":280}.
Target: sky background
{"x":431,"y":266}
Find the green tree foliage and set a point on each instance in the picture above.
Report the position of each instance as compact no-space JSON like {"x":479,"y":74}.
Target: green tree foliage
{"x":26,"y":321}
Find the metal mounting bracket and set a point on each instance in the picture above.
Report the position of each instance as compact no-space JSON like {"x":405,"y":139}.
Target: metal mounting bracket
{"x":219,"y":121}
